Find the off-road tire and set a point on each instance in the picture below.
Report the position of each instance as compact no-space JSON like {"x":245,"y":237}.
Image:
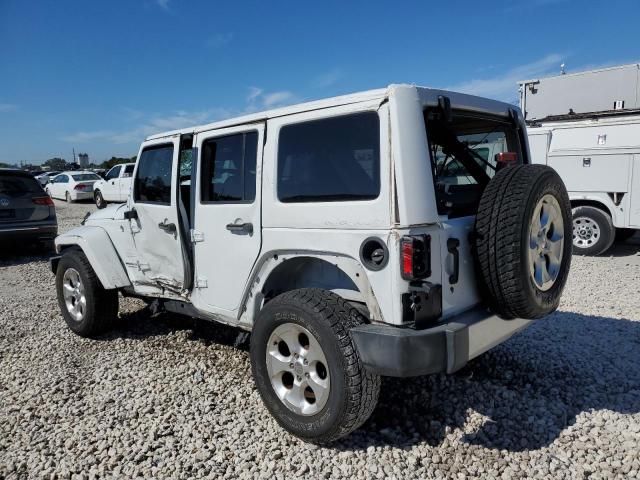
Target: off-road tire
{"x":607,"y":230}
{"x":99,"y":199}
{"x":101,"y":304}
{"x":353,"y":392}
{"x":624,"y":234}
{"x":502,"y":241}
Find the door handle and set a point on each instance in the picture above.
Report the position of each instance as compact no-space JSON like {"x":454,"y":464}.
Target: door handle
{"x":238,"y":227}
{"x":168,"y":227}
{"x":452,"y":247}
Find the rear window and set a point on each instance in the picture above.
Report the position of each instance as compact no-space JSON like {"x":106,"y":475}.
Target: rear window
{"x":464,"y":157}
{"x":329,"y":160}
{"x":84,"y":177}
{"x":16,"y":185}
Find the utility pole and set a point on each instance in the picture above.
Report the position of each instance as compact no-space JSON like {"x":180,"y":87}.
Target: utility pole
{"x":74,"y":155}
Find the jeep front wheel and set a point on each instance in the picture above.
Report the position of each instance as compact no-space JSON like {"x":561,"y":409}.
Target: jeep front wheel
{"x":523,"y":241}
{"x":306,"y":366}
{"x":87,"y":307}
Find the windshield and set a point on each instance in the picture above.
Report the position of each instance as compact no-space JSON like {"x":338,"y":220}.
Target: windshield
{"x":464,"y":154}
{"x":83,"y":177}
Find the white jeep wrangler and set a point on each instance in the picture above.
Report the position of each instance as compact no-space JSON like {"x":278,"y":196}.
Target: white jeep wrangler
{"x":359,"y":236}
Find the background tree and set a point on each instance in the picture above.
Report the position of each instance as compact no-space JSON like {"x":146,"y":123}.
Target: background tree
{"x":56,"y":163}
{"x":107,"y":164}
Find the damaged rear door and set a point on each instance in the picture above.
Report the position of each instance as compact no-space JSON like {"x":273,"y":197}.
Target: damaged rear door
{"x":153,"y":214}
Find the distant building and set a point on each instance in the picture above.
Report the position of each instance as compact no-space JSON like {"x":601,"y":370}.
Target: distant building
{"x":83,"y":160}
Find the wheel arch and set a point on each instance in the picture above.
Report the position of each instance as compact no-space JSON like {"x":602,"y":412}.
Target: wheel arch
{"x":282,"y":271}
{"x":100,"y":252}
{"x":592,"y":203}
{"x":602,"y":202}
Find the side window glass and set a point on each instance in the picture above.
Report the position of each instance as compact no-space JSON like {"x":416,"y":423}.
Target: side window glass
{"x":330,"y":160}
{"x":228,"y":168}
{"x":128,"y":171}
{"x":153,"y":179}
{"x":113,"y":173}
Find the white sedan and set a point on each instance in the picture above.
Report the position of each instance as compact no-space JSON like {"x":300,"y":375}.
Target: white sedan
{"x":72,"y":186}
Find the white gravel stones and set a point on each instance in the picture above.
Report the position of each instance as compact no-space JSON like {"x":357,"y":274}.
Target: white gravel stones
{"x":170,"y":397}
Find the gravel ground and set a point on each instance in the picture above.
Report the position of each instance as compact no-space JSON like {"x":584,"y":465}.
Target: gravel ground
{"x":170,"y":397}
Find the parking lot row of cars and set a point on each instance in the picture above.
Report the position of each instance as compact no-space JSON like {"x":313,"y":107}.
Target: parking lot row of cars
{"x":27,"y":211}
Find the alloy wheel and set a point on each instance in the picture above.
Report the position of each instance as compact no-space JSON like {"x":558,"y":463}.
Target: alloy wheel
{"x":298,"y":369}
{"x":74,"y":295}
{"x":546,"y":242}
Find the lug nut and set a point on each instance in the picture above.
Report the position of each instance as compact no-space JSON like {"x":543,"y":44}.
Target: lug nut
{"x":295,"y":355}
{"x":299,"y":379}
{"x":306,"y":375}
{"x":291,"y":365}
{"x":306,"y":362}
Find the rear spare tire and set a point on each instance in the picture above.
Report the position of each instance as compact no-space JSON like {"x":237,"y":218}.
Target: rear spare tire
{"x":523,"y":241}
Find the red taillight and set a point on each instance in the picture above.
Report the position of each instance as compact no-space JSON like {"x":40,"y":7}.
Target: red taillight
{"x":407,"y":257}
{"x":80,"y":187}
{"x":43,"y":201}
{"x":507,"y":158}
{"x":415,"y":260}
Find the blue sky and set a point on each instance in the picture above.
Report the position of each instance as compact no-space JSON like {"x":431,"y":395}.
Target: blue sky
{"x":101,"y":75}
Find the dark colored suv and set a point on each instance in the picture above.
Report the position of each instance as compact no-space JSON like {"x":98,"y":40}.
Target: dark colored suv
{"x":26,"y":211}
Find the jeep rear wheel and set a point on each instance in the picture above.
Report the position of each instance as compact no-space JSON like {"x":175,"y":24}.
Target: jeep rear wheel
{"x":523,"y":241}
{"x":306,"y":366}
{"x":87,"y":307}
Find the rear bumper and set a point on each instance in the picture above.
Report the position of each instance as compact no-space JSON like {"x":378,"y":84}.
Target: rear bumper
{"x":76,"y":195}
{"x":35,"y":232}
{"x":404,"y":352}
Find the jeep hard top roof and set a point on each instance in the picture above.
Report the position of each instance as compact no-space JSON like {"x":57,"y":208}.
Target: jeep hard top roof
{"x":468,"y":101}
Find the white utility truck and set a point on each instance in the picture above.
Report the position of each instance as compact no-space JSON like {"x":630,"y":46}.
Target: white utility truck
{"x":587,"y":127}
{"x":354,"y":237}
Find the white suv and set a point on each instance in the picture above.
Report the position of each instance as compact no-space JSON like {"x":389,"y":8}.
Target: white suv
{"x":355,"y":237}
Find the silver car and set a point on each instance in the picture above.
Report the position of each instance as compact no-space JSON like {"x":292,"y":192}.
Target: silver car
{"x":26,"y":211}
